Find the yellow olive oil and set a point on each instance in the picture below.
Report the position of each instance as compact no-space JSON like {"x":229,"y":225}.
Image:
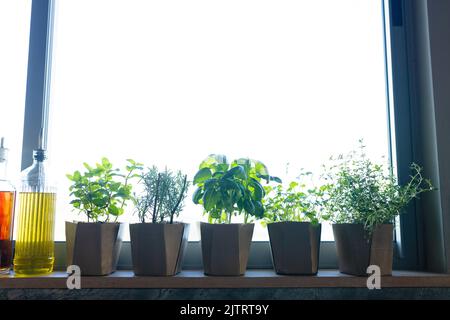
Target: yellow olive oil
{"x":34,"y":250}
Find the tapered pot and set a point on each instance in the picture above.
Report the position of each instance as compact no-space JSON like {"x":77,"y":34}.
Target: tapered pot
{"x":357,"y":249}
{"x":93,"y":246}
{"x":295,"y":247}
{"x":225,"y":248}
{"x":157,"y":249}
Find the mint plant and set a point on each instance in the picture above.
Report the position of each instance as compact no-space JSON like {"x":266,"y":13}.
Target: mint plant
{"x":102,"y":192}
{"x":231,"y":189}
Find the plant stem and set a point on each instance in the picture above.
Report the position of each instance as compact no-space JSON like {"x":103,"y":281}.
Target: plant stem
{"x":155,"y":206}
{"x":180,"y":198}
{"x":126,"y":184}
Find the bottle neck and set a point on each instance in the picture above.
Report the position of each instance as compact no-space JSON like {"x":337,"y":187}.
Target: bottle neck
{"x":3,"y":170}
{"x":38,"y":162}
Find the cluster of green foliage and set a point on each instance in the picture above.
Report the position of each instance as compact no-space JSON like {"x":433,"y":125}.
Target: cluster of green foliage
{"x":231,"y":189}
{"x":295,"y":202}
{"x":163,"y":196}
{"x":363,"y":192}
{"x":356,"y":190}
{"x":102,"y":191}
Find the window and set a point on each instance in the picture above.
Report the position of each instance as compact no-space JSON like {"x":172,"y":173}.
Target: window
{"x":169,"y":82}
{"x":14,"y":33}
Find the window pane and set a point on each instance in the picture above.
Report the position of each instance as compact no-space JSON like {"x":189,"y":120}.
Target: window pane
{"x":169,"y":82}
{"x":14,"y":36}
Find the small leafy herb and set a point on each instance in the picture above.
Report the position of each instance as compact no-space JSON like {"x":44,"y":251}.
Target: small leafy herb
{"x":102,"y":191}
{"x":163,"y":196}
{"x":295,"y":202}
{"x":227,"y":189}
{"x":361,"y":191}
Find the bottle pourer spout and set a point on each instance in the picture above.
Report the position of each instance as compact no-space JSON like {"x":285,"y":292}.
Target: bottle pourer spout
{"x":41,"y":140}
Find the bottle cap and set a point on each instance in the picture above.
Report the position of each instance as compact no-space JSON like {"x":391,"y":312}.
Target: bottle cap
{"x":3,"y":151}
{"x":40,"y":153}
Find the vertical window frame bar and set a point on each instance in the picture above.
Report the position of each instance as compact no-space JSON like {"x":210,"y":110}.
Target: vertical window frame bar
{"x":38,"y":78}
{"x":409,"y":251}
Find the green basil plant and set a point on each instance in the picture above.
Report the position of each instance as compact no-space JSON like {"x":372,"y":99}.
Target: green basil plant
{"x":231,"y":189}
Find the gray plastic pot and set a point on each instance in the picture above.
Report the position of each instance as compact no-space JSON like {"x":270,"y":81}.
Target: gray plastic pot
{"x":295,"y":247}
{"x":225,"y":248}
{"x":356,"y":249}
{"x":157,"y":249}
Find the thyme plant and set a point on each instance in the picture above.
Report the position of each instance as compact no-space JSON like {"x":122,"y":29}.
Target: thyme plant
{"x":363,"y":192}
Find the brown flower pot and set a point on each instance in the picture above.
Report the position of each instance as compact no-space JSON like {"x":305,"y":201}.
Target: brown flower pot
{"x":356,"y":249}
{"x":295,"y":247}
{"x":157,"y":249}
{"x":93,"y":246}
{"x":225,"y":248}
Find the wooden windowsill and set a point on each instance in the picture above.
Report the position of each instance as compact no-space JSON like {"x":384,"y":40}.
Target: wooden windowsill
{"x":252,"y":279}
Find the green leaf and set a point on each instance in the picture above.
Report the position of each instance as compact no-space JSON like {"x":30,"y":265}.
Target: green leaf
{"x":99,"y":202}
{"x":259,"y":209}
{"x":293,"y":184}
{"x":197,"y":196}
{"x":210,"y":183}
{"x":218,"y":174}
{"x":238,"y":172}
{"x":87,"y":166}
{"x":260,"y":168}
{"x":106,"y":164}
{"x":76,"y":203}
{"x":258,"y":190}
{"x":77,"y":176}
{"x":115,"y":211}
{"x":114,"y":186}
{"x":222,"y":167}
{"x":213,"y":159}
{"x":202,"y":175}
{"x":249,"y":207}
{"x":270,"y":178}
{"x":132,"y":162}
{"x":210,"y":199}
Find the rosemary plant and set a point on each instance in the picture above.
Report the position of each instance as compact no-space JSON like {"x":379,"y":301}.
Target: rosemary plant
{"x":163,"y":196}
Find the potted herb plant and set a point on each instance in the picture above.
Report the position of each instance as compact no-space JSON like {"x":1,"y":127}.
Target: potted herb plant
{"x":364,"y":199}
{"x":101,"y":193}
{"x":157,"y":242}
{"x":228,"y":190}
{"x":293,"y":215}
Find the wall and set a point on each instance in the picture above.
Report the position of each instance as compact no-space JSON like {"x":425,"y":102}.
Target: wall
{"x":429,"y":50}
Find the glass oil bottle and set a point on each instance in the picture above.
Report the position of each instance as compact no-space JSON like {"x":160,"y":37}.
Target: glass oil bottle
{"x":7,"y":201}
{"x":34,"y":249}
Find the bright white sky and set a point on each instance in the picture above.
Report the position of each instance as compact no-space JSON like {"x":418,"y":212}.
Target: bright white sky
{"x":14,"y":32}
{"x":169,"y":82}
